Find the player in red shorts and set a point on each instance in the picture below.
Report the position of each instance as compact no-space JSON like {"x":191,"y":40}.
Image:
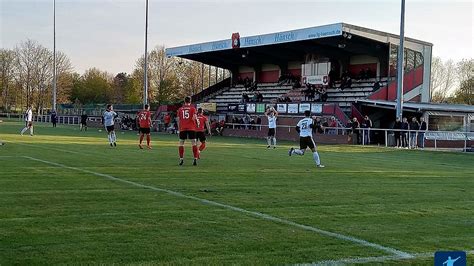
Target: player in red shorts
{"x":187,"y":129}
{"x":144,"y":121}
{"x":202,"y":124}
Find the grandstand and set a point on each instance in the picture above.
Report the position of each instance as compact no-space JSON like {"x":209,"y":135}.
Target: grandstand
{"x":283,"y":64}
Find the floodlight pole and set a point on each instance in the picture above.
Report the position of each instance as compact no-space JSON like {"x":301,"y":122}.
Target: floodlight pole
{"x":400,"y":68}
{"x":145,"y":67}
{"x":54,"y":55}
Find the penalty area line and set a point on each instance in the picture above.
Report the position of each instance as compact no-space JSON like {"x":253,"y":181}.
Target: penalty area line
{"x":260,"y":215}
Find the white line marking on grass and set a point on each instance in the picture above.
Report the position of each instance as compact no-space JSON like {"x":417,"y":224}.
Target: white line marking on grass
{"x":263,"y":216}
{"x":373,"y":259}
{"x":49,"y":148}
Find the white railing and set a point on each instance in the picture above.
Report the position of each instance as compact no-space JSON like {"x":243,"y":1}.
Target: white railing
{"x":389,"y":134}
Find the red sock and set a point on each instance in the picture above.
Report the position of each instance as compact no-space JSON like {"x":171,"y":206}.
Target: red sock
{"x":141,"y":139}
{"x":203,"y":146}
{"x":181,"y":151}
{"x":148,"y":140}
{"x":195,"y":152}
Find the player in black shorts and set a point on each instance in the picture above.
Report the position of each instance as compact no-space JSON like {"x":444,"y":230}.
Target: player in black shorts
{"x":188,"y":134}
{"x":187,"y":129}
{"x":202,"y":122}
{"x":305,"y":128}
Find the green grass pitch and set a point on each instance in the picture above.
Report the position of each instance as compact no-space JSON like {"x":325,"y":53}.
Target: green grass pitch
{"x":66,"y":197}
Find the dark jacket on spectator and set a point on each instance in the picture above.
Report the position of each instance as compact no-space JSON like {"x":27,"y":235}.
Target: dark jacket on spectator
{"x":423,"y":125}
{"x":414,"y":126}
{"x":405,"y":125}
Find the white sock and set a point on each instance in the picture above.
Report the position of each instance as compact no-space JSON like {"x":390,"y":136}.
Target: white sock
{"x":23,"y":130}
{"x":109,"y":137}
{"x":269,"y":141}
{"x":298,"y":152}
{"x":274,"y":141}
{"x":114,"y":137}
{"x":316,"y":158}
{"x":31,"y":130}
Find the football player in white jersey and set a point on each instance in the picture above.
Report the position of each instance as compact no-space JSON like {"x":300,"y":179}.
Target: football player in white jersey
{"x":305,"y":128}
{"x":271,"y":114}
{"x":109,"y":117}
{"x":28,"y":121}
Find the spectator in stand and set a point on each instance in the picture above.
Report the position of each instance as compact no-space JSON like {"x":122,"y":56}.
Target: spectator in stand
{"x":362,"y":74}
{"x":307,"y":92}
{"x":247,"y":83}
{"x":398,"y":126}
{"x":369,"y":74}
{"x":325,"y":123}
{"x":312,"y":93}
{"x":405,"y":127}
{"x":281,"y":79}
{"x":259,"y":97}
{"x":254,"y":86}
{"x":355,"y":131}
{"x":166,"y":121}
{"x":366,"y":125}
{"x":245,"y":97}
{"x":421,"y":133}
{"x":252,"y":124}
{"x":376,"y":86}
{"x":254,"y":98}
{"x":332,"y":77}
{"x":247,"y":120}
{"x":318,"y":126}
{"x":259,"y":122}
{"x":333,"y":124}
{"x":324,"y":95}
{"x":346,"y":81}
{"x":287,"y":99}
{"x":296,"y":84}
{"x":414,"y":127}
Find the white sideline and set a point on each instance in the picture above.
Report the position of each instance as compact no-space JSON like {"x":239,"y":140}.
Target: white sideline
{"x":398,"y":253}
{"x":372,"y":259}
{"x":48,"y":148}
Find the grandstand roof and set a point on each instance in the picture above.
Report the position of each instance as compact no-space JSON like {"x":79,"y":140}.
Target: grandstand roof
{"x":436,"y":107}
{"x":280,"y":47}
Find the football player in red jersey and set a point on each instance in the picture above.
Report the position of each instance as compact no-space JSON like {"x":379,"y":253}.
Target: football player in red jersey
{"x":202,"y":124}
{"x":187,"y":129}
{"x":144,"y":121}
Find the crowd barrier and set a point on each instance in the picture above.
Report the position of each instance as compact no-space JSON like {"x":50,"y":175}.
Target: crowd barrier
{"x":365,"y":136}
{"x":462,"y":140}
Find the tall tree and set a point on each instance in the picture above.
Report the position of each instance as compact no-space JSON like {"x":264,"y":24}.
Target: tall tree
{"x":7,"y":59}
{"x":120,"y":84}
{"x":443,"y":76}
{"x":465,"y":73}
{"x":92,"y":87}
{"x":33,"y":74}
{"x":163,"y":84}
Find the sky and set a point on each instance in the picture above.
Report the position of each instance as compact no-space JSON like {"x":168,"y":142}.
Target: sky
{"x":109,"y":34}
